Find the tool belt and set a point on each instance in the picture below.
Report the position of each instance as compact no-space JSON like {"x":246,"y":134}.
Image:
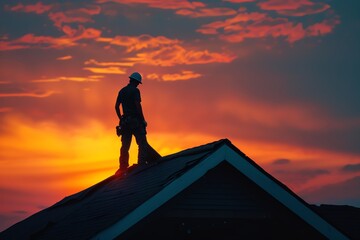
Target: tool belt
{"x":128,"y":123}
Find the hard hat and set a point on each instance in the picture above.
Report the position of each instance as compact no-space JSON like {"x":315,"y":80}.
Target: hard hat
{"x":136,"y":76}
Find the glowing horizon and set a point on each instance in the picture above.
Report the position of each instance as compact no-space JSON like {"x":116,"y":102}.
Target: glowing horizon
{"x":278,"y":78}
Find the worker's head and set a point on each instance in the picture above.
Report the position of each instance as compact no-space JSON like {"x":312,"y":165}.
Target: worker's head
{"x":135,"y":77}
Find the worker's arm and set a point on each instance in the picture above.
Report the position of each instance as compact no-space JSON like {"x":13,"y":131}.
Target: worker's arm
{"x":140,"y":111}
{"x":117,"y":107}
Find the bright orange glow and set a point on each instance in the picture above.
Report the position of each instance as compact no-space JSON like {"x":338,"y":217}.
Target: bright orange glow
{"x":28,"y":94}
{"x":269,"y":75}
{"x":106,"y":70}
{"x":68,"y":57}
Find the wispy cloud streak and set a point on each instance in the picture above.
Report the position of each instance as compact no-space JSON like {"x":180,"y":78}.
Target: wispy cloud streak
{"x":28,"y":94}
{"x":37,"y":8}
{"x":170,"y":77}
{"x":72,"y":79}
{"x":297,"y":8}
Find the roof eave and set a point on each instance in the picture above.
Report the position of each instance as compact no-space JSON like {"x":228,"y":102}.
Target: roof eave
{"x":226,"y":153}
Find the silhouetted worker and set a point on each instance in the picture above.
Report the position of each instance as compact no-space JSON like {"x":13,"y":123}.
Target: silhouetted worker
{"x":131,"y":122}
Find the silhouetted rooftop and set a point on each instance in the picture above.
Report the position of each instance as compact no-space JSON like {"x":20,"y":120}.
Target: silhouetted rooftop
{"x":120,"y":200}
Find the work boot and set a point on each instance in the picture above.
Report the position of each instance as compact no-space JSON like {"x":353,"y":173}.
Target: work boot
{"x":121,"y":172}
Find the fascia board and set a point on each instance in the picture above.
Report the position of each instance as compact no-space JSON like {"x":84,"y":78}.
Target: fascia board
{"x":283,"y":196}
{"x":224,"y":153}
{"x":171,"y":190}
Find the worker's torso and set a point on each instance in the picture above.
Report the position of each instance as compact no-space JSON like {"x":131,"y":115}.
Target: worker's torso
{"x":129,"y":95}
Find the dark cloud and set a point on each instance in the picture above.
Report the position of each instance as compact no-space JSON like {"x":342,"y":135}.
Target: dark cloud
{"x":20,"y":212}
{"x":6,"y":220}
{"x":10,"y":191}
{"x":298,"y":177}
{"x":346,"y":192}
{"x":281,"y":161}
{"x":351,"y":168}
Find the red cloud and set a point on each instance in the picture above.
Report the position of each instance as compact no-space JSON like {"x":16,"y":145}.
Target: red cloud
{"x":37,"y":8}
{"x":259,"y":25}
{"x":81,"y":15}
{"x":206,"y":12}
{"x":268,"y":28}
{"x":59,"y":18}
{"x":294,"y":7}
{"x":169,"y":4}
{"x":325,"y":27}
{"x":212,"y":28}
{"x":81,"y":33}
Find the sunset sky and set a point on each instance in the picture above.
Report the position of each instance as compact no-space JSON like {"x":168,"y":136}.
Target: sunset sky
{"x":279,"y":78}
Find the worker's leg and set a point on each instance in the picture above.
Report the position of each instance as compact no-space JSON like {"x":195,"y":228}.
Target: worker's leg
{"x":140,"y":136}
{"x":124,"y":151}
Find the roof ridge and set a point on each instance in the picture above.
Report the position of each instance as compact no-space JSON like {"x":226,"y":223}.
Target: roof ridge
{"x":136,"y":169}
{"x":213,"y":145}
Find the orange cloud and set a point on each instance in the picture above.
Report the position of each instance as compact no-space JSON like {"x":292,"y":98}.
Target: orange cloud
{"x":68,"y":57}
{"x":169,"y":4}
{"x":106,"y":70}
{"x":44,"y":41}
{"x":153,"y":76}
{"x":37,"y":8}
{"x":30,"y":40}
{"x":206,"y":12}
{"x":163,"y":51}
{"x":294,"y":7}
{"x":11,"y":45}
{"x":28,"y":94}
{"x":105,"y":64}
{"x":139,"y":42}
{"x":178,"y":55}
{"x":184,"y":75}
{"x":73,"y":79}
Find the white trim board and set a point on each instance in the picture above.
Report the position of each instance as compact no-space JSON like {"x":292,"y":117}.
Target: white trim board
{"x":224,"y":153}
{"x":283,"y":196}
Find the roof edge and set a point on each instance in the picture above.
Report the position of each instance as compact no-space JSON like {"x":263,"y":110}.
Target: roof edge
{"x":225,"y":151}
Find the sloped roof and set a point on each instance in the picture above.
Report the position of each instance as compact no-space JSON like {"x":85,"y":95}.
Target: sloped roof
{"x":112,"y":206}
